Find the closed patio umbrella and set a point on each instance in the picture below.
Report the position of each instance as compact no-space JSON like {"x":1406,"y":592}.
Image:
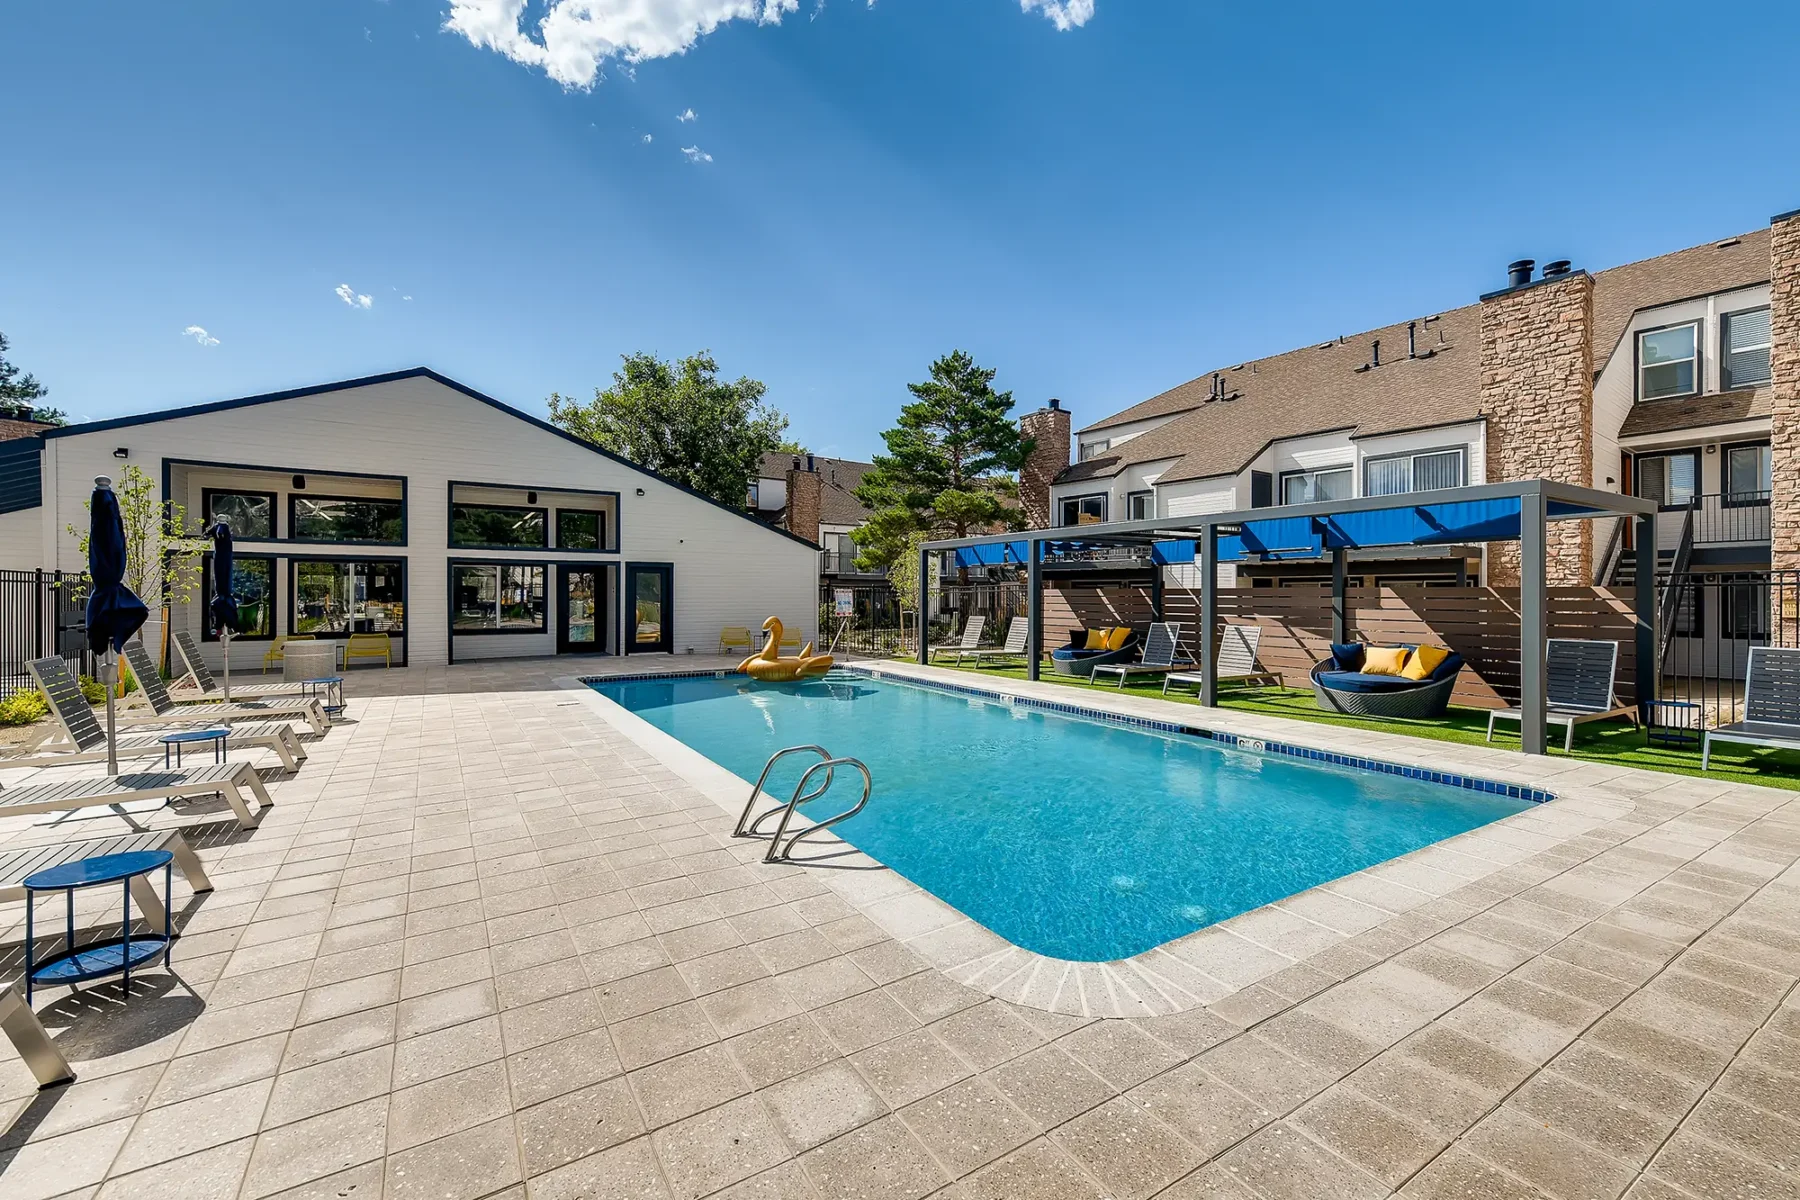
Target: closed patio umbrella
{"x":223,"y":605}
{"x":113,"y":612}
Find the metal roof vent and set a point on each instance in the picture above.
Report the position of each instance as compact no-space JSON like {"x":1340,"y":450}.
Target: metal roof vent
{"x":1518,"y":273}
{"x":1557,"y":269}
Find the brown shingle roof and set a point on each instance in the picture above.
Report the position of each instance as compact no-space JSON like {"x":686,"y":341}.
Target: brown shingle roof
{"x":1666,"y":416}
{"x":1317,"y":388}
{"x":12,"y":427}
{"x":838,"y":504}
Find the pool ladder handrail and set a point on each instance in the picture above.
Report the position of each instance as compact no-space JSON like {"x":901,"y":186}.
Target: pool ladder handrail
{"x":829,"y":765}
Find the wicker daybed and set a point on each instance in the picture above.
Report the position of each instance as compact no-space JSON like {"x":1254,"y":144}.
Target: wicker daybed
{"x":1340,"y":686}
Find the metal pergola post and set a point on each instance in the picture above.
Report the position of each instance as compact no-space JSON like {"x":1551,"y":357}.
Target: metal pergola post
{"x":1649,"y":662}
{"x":1034,"y":610}
{"x":1209,"y":606}
{"x":1533,"y":536}
{"x":1340,"y":579}
{"x":919,"y":622}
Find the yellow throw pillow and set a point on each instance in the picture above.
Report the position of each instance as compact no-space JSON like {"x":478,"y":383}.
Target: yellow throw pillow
{"x":1118,"y":637}
{"x":1096,"y":639}
{"x":1384,"y":660}
{"x":1424,"y":661}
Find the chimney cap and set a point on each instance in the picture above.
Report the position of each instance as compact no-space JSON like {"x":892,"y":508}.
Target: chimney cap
{"x":1055,"y":404}
{"x":1560,"y":267}
{"x":1518,"y":272}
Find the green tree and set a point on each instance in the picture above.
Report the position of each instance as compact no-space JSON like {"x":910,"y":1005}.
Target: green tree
{"x":162,"y":560}
{"x":20,"y":393}
{"x":950,"y":466}
{"x":681,"y":421}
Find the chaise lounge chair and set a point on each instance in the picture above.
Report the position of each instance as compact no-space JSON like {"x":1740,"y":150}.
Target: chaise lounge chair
{"x":33,"y":1042}
{"x":1771,"y":704}
{"x":83,"y":741}
{"x":971,"y":638}
{"x":228,"y":780}
{"x":1579,"y":677}
{"x":18,"y":865}
{"x":1016,"y":635}
{"x":1238,"y":646}
{"x":1161,"y":653}
{"x":1341,"y":685}
{"x":165,"y":711}
{"x":201,"y":678}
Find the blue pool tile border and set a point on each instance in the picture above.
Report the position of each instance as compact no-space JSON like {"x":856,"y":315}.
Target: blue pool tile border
{"x":1513,"y":791}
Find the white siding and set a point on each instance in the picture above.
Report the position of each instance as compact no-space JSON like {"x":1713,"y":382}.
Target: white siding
{"x":1313,"y":453}
{"x":1192,"y":497}
{"x":727,"y":568}
{"x":22,"y":539}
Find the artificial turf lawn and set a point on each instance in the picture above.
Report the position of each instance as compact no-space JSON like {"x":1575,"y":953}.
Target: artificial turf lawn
{"x":1615,"y":742}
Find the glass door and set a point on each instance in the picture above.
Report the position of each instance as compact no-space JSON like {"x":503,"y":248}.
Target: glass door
{"x":580,"y":622}
{"x":649,"y":612}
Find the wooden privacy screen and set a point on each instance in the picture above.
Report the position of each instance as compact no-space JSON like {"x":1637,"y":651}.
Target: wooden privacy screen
{"x":1479,"y":623}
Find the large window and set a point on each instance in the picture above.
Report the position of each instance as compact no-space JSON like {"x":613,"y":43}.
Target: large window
{"x":1083,"y":510}
{"x":1140,"y":506}
{"x":339,"y":597}
{"x":497,"y":598}
{"x":345,"y":519}
{"x":1744,"y":607}
{"x":253,"y":584}
{"x":1426,"y":472}
{"x":250,"y":514}
{"x":1089,"y":450}
{"x":1744,"y":349}
{"x":1672,"y":480}
{"x":1304,"y":487}
{"x":1668,"y":362}
{"x":498,"y":525}
{"x":1748,"y":475}
{"x":584,"y":528}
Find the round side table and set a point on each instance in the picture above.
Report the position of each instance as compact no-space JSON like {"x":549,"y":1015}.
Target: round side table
{"x":327,"y":688}
{"x":187,"y":737}
{"x":114,"y":956}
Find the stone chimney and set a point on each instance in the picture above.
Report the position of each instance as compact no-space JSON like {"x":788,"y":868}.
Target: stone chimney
{"x":1537,"y":392}
{"x":805,"y":494}
{"x":1784,"y":400}
{"x":1048,"y":427}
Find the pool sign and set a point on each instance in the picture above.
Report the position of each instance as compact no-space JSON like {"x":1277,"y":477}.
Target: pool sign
{"x":846,"y":602}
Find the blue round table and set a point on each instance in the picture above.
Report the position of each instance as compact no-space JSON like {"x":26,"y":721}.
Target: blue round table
{"x":333,"y":688}
{"x":77,"y":964}
{"x":186,"y":737}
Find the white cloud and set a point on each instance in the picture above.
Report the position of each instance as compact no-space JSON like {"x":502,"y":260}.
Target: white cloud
{"x":1064,"y":14}
{"x":648,"y":139}
{"x":575,"y":37}
{"x":696,"y":155}
{"x":406,"y":297}
{"x":200,"y":335}
{"x":350,"y":296}
{"x":688,"y":115}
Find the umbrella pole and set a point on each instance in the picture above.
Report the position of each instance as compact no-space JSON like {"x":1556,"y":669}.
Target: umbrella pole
{"x":225,"y":640}
{"x":109,"y":676}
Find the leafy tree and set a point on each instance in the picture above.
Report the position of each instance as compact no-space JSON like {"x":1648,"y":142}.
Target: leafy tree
{"x":20,"y":391}
{"x":681,"y":421}
{"x":790,"y":446}
{"x":950,"y":467}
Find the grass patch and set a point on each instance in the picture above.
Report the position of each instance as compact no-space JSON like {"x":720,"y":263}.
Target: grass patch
{"x":1613,"y":742}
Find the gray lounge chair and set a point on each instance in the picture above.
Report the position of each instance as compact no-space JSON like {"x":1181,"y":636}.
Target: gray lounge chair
{"x":1771,"y":704}
{"x":971,"y":638}
{"x":1579,"y":676}
{"x":231,"y":781}
{"x":203,"y":681}
{"x":83,"y":741}
{"x":1162,"y":654}
{"x":165,"y":711}
{"x":1016,"y":635}
{"x":17,"y":865}
{"x":33,"y":1042}
{"x":1238,"y":646}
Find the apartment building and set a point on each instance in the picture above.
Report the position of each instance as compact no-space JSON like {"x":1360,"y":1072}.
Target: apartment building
{"x":814,"y":497}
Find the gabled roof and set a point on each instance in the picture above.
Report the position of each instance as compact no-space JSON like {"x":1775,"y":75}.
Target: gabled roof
{"x":200,"y":410}
{"x":838,"y":478}
{"x":1317,"y":388}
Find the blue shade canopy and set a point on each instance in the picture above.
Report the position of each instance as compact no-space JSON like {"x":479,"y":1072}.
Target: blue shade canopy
{"x":223,"y":606}
{"x":113,"y":612}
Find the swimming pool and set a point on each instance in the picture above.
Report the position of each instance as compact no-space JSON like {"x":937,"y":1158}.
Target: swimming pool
{"x":1075,"y":837}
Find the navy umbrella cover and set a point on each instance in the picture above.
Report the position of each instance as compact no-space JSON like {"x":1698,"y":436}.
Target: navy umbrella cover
{"x":223,"y":606}
{"x":113,"y":612}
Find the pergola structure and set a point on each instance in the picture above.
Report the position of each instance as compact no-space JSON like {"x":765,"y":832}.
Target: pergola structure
{"x":1494,"y":512}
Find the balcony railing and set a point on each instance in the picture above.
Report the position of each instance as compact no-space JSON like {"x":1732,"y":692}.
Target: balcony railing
{"x":1731,"y":519}
{"x":831,"y":562}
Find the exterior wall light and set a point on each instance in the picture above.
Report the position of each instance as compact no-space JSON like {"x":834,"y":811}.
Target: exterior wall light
{"x":299,"y":483}
{"x":122,"y":452}
{"x":640,"y":491}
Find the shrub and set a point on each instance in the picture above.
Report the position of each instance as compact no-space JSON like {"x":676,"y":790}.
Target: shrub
{"x":92,"y":690}
{"x":23,"y":707}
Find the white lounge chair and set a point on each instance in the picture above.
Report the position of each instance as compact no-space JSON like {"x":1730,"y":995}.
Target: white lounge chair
{"x":1238,"y":646}
{"x":1162,"y":653}
{"x":17,"y":865}
{"x":1579,"y":676}
{"x":201,"y":679}
{"x":971,"y":638}
{"x":165,"y":711}
{"x":1016,"y":635}
{"x":231,"y":781}
{"x":1771,"y":704}
{"x":33,"y":1042}
{"x":83,"y":741}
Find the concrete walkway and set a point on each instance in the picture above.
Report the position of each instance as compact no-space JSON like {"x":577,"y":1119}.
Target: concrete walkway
{"x":489,"y":944}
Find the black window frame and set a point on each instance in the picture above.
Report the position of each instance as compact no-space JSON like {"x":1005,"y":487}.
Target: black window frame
{"x":1731,"y":499}
{"x":1637,"y":362}
{"x":1693,"y":452}
{"x":294,"y":564}
{"x":1062,"y":506}
{"x":1739,"y":596}
{"x":1141,"y":494}
{"x":295,"y":498}
{"x":542,"y":512}
{"x":543,"y":568}
{"x":1282,"y":481}
{"x":274,"y":499}
{"x":204,"y":599}
{"x":599,"y":514}
{"x":1731,"y":385}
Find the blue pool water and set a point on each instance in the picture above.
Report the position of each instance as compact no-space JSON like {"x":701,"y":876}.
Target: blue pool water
{"x":1078,"y":838}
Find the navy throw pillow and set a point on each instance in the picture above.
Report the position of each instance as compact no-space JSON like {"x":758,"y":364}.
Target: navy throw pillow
{"x":1349,"y":655}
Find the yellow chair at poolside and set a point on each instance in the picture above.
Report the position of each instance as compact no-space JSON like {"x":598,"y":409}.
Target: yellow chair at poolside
{"x":735,"y":637}
{"x":369,"y":645}
{"x":274,"y":653}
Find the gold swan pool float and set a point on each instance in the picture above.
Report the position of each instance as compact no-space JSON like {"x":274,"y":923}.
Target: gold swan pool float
{"x":767,"y":666}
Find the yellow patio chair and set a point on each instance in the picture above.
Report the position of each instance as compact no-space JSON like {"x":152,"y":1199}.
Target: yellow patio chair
{"x":735,"y":637}
{"x":369,"y":645}
{"x":274,"y":653}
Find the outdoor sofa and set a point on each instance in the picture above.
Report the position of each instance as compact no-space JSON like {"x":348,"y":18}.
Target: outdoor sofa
{"x":1079,"y":657}
{"x":1341,"y":685}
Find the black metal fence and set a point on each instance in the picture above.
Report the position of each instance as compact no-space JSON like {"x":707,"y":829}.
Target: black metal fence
{"x":41,"y":613}
{"x":1715,"y":618}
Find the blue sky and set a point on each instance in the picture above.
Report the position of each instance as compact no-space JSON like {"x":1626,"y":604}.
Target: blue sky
{"x":1101,"y":198}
